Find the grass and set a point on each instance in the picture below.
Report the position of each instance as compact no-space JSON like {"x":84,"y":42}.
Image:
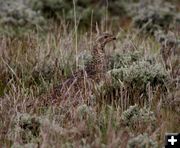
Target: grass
{"x":33,"y":63}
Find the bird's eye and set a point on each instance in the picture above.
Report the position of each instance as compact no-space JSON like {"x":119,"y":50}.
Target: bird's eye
{"x":105,"y":36}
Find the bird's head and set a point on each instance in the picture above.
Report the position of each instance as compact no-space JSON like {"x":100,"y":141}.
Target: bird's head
{"x":104,"y":38}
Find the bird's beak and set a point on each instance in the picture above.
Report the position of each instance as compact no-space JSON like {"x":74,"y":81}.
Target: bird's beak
{"x":114,"y":38}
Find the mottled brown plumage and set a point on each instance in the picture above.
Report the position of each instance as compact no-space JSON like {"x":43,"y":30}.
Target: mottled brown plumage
{"x":94,"y":70}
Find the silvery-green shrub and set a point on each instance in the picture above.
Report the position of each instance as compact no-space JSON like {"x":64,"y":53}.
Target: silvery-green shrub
{"x":135,"y":114}
{"x":150,"y":16}
{"x":142,"y":141}
{"x":18,"y":13}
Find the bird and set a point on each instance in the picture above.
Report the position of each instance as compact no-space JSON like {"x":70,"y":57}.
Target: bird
{"x":95,"y":69}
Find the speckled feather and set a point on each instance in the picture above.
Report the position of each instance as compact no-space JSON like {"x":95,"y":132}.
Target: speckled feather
{"x":94,"y":70}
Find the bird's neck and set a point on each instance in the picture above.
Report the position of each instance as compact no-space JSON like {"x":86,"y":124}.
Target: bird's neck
{"x":99,"y":59}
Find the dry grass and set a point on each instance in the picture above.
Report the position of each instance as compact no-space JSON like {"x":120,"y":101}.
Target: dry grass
{"x":32,"y":64}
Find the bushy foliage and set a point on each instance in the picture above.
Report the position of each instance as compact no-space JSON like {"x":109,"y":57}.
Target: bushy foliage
{"x":18,"y":13}
{"x":84,"y":58}
{"x":140,"y":74}
{"x":147,"y":15}
{"x":84,"y":111}
{"x":167,"y":39}
{"x":85,"y":10}
{"x":136,"y":77}
{"x":52,"y":8}
{"x":153,"y":15}
{"x":120,"y":60}
{"x":21,"y":13}
{"x":134,"y":115}
{"x":142,"y":140}
{"x":26,"y":128}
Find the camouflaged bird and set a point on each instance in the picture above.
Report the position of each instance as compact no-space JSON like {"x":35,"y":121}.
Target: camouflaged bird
{"x":94,"y":70}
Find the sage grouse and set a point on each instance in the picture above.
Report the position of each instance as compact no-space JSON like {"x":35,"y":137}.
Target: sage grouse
{"x":94,"y":70}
